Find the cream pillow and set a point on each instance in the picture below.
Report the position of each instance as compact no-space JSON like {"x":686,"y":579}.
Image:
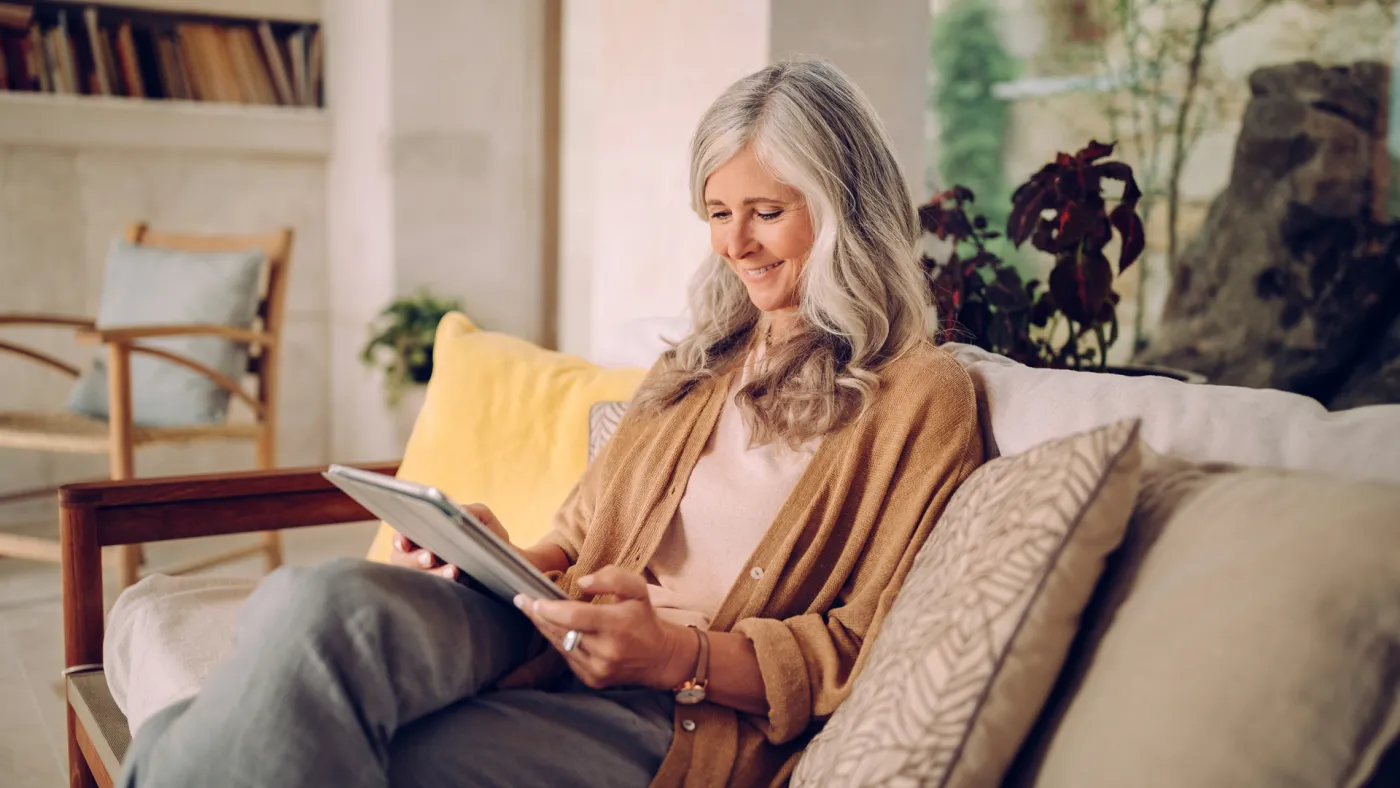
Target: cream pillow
{"x":1019,"y":407}
{"x":977,"y":634}
{"x":1247,"y":634}
{"x":164,"y":635}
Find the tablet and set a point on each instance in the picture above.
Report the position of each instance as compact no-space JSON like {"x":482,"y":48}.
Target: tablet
{"x":433,"y":521}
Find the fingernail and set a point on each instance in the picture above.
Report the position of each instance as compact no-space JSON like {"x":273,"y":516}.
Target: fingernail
{"x":519,"y":601}
{"x":425,"y":559}
{"x":585,"y":581}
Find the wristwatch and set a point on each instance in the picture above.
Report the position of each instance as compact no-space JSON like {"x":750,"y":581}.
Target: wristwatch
{"x":692,"y":691}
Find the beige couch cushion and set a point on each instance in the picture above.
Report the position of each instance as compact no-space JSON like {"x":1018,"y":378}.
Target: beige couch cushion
{"x":976,"y":636}
{"x":1248,"y":634}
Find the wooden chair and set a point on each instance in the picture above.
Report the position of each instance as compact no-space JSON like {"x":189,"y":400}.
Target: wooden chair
{"x":95,"y":515}
{"x":117,"y":437}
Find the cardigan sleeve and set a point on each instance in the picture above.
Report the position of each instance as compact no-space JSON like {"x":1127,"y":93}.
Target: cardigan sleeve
{"x":809,"y":661}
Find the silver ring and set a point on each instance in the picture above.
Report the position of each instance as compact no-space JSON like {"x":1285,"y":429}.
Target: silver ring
{"x":571,"y":639}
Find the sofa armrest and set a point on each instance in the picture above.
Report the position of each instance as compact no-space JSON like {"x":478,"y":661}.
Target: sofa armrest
{"x":94,"y":515}
{"x":180,"y":507}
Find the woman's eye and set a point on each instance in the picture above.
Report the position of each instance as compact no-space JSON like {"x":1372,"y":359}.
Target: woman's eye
{"x":769,"y":216}
{"x":720,"y":215}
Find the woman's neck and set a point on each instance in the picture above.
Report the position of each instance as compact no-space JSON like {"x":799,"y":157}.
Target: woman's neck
{"x":779,"y":326}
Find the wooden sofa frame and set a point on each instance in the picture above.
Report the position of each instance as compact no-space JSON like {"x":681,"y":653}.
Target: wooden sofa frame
{"x":108,"y":513}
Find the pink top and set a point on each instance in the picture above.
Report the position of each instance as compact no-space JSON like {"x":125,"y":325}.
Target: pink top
{"x":732,"y":498}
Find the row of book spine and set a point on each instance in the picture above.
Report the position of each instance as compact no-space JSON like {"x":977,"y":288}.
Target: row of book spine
{"x":98,"y":52}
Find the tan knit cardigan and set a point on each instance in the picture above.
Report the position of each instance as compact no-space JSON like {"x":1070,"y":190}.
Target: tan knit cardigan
{"x":818,"y":585}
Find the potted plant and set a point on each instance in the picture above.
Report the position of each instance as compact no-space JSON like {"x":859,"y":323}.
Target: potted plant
{"x":1061,"y":210}
{"x":400,"y":346}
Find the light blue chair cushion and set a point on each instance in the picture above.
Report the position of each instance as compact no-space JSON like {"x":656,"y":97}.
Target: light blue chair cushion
{"x":147,"y":286}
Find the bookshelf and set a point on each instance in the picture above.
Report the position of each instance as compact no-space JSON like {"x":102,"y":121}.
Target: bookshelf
{"x":131,"y":124}
{"x":275,"y":10}
{"x":214,"y":75}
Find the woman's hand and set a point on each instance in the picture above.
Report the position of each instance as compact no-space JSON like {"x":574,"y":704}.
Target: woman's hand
{"x":624,"y":641}
{"x":408,"y":554}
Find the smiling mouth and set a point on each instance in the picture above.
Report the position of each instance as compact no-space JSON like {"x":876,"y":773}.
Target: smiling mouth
{"x":757,"y":272}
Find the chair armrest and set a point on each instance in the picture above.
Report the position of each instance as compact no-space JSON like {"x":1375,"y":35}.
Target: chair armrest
{"x":126,"y":334}
{"x":44,"y":321}
{"x":38,"y":319}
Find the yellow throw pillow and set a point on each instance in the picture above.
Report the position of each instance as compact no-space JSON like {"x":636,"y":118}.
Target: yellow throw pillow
{"x":505,"y":423}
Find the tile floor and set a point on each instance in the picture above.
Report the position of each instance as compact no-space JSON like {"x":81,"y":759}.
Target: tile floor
{"x":32,"y":748}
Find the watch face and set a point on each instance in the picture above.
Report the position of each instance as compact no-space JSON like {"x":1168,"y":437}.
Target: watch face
{"x":690,"y":696}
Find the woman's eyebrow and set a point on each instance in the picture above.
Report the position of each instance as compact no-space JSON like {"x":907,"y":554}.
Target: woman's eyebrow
{"x":750,"y":201}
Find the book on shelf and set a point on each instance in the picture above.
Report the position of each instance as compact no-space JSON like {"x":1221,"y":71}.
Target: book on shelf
{"x":16,"y":16}
{"x":101,"y":50}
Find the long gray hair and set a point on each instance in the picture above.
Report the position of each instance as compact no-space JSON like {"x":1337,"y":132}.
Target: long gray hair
{"x":862,"y":292}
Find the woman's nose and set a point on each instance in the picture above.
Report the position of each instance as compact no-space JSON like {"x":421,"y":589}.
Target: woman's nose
{"x":740,"y":243}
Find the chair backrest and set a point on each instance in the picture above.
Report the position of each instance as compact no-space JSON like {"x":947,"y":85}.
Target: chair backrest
{"x":277,"y":245}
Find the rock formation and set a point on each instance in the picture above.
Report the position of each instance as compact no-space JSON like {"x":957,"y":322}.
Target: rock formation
{"x":1292,"y":282}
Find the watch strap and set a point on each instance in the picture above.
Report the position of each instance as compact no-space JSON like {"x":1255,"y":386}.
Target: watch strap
{"x":702,"y":660}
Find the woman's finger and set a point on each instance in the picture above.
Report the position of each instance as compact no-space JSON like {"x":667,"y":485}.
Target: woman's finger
{"x":614,"y":580}
{"x":569,"y":614}
{"x":552,"y":632}
{"x":483,"y":513}
{"x":416,"y":559}
{"x":403,"y":544}
{"x":488,"y":518}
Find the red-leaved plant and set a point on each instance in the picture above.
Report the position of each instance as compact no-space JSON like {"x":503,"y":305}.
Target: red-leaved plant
{"x":1061,"y":210}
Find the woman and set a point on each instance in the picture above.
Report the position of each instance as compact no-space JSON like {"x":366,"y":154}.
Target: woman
{"x":729,"y":555}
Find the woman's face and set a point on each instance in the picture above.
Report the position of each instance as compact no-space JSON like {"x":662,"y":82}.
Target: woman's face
{"x":762,"y":229}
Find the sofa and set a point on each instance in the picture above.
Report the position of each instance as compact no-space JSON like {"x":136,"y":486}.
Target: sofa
{"x":1179,"y":584}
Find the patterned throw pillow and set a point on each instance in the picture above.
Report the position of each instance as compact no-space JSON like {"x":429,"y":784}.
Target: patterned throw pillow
{"x":977,"y":635}
{"x":603,"y":419}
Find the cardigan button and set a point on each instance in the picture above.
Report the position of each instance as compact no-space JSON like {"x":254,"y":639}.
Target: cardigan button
{"x":688,"y":725}
{"x":756,"y":573}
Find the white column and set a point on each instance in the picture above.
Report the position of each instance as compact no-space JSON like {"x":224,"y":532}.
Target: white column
{"x":435,"y":179}
{"x":465,"y":150}
{"x":359,"y":220}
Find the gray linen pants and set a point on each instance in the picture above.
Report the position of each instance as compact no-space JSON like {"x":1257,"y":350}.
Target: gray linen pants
{"x":357,"y":674}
